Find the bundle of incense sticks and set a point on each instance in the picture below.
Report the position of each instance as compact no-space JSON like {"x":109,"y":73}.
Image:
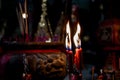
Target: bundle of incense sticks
{"x":23,"y":22}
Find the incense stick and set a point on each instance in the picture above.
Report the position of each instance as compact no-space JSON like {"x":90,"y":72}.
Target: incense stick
{"x":25,"y":7}
{"x":20,"y":21}
{"x":26,"y":21}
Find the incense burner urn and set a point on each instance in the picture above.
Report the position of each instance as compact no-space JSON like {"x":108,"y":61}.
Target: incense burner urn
{"x":42,"y":61}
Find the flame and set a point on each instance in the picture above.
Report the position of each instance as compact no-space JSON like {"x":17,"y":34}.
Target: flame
{"x":68,"y":36}
{"x":76,"y":38}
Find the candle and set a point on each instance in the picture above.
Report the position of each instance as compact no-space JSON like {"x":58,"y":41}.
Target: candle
{"x":78,"y":49}
{"x":69,"y":50}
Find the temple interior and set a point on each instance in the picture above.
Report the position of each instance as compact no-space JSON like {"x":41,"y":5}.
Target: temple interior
{"x":59,"y":40}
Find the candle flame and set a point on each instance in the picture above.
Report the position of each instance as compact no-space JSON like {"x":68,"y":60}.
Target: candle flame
{"x":76,"y":38}
{"x":68,"y":36}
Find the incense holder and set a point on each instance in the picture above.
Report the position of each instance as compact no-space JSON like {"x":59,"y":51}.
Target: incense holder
{"x":44,"y":61}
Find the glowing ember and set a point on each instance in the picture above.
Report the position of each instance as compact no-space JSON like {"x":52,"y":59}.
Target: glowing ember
{"x":24,"y":15}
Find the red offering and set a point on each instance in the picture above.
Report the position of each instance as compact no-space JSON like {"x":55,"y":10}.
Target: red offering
{"x":77,"y":57}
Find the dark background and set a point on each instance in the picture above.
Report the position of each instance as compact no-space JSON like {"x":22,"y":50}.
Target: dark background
{"x":89,"y":12}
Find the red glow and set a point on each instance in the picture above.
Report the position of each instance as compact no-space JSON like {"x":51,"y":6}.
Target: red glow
{"x":34,"y":51}
{"x":77,"y":57}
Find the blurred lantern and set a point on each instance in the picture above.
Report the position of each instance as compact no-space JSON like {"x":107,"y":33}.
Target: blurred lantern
{"x":44,"y":31}
{"x":108,"y":32}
